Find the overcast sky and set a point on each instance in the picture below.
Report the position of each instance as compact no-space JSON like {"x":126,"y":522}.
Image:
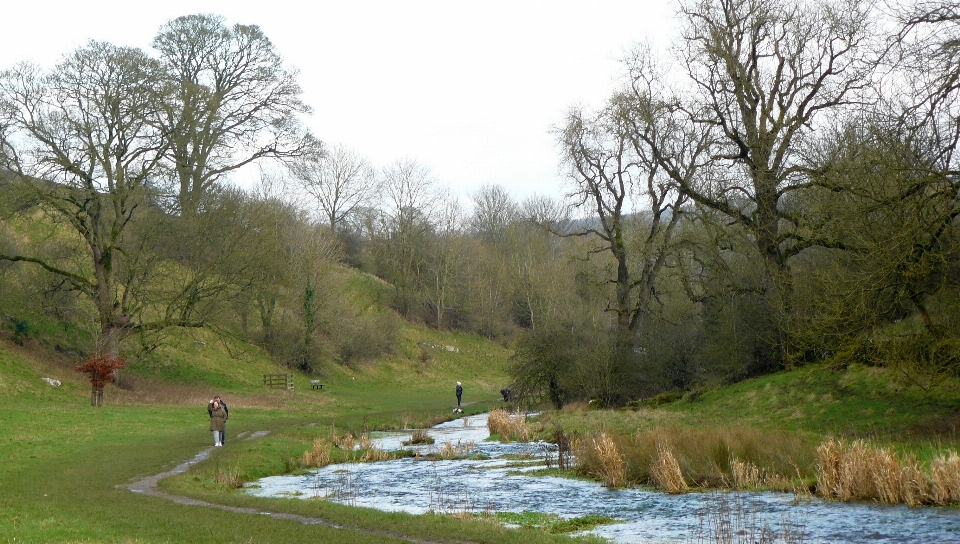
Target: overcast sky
{"x":470,"y":89}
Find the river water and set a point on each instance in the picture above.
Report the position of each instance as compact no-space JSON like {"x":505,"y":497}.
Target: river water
{"x":417,"y":486}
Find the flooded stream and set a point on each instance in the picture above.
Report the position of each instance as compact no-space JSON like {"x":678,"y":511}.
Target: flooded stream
{"x":417,"y":486}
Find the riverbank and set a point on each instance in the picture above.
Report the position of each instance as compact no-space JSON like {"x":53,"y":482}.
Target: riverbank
{"x":507,"y":478}
{"x":856,"y":433}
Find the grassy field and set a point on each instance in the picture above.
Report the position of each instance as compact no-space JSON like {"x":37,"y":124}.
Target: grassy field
{"x":65,"y":464}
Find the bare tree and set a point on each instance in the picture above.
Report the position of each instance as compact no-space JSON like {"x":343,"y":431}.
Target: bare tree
{"x":235,"y":102}
{"x":409,"y":196}
{"x":85,"y":138}
{"x":634,"y":205}
{"x":340,"y":181}
{"x":445,"y":259}
{"x":765,"y":72}
{"x":493,"y":212}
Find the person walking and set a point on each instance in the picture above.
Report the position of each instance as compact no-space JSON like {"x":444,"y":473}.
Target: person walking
{"x":223,"y":433}
{"x":459,"y":394}
{"x":218,"y":422}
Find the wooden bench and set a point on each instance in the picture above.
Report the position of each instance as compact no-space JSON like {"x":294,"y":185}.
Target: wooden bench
{"x":316,"y":384}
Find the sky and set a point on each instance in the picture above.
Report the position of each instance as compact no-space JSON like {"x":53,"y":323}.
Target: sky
{"x":471,"y":89}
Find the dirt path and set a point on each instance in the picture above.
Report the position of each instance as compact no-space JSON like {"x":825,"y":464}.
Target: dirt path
{"x":148,"y":486}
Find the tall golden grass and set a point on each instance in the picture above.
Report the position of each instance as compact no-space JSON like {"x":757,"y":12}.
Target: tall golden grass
{"x":604,"y":459}
{"x":859,"y":470}
{"x":451,"y":451}
{"x":229,"y":477}
{"x":665,"y":471}
{"x":677,"y":458}
{"x":374,"y":453}
{"x":419,"y":436}
{"x":318,"y":456}
{"x":509,"y":427}
{"x":945,"y":479}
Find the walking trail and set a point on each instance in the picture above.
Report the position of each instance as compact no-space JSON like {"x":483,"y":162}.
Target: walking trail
{"x":148,"y":486}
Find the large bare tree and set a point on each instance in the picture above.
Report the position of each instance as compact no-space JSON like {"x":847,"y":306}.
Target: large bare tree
{"x":235,"y":102}
{"x":763,"y":75}
{"x":85,"y":138}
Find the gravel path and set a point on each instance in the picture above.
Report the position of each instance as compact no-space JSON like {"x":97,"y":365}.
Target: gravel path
{"x":148,"y":486}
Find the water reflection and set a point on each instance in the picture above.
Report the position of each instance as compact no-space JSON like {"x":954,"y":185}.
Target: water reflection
{"x":476,"y":485}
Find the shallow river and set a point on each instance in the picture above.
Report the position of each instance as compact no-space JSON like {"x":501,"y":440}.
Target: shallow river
{"x":419,"y":486}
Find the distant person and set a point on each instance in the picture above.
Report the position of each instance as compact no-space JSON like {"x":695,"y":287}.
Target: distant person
{"x":218,"y":421}
{"x":459,"y":394}
{"x":507,"y":394}
{"x":223,"y":432}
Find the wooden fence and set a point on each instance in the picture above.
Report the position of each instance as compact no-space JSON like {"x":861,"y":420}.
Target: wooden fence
{"x":278,"y":381}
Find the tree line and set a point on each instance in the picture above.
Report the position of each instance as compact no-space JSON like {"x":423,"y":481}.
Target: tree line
{"x":777,"y":189}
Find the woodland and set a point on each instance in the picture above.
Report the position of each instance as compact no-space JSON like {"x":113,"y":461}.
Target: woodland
{"x":776,"y":190}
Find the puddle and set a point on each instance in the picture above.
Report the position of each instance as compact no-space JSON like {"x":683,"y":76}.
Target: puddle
{"x":417,"y":486}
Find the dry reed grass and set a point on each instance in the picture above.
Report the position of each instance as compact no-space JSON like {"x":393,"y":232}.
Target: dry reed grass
{"x":418,"y":437}
{"x":859,"y":470}
{"x":509,"y":427}
{"x":452,"y":451}
{"x":318,"y":456}
{"x":229,"y":477}
{"x":364,"y":442}
{"x":373,"y":454}
{"x":665,"y":471}
{"x":345,"y":441}
{"x":945,"y":479}
{"x":746,"y":475}
{"x":603,"y":459}
{"x":708,"y":458}
{"x":729,"y":520}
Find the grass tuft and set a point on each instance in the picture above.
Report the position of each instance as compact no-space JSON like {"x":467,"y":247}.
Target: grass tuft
{"x":509,"y":427}
{"x":665,"y":471}
{"x":318,"y":456}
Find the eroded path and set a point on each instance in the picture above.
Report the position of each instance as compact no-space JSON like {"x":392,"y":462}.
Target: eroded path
{"x":149,"y":486}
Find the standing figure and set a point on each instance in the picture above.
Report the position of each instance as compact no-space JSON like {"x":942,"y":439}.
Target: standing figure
{"x":223,"y":433}
{"x":218,"y":422}
{"x":459,"y":393}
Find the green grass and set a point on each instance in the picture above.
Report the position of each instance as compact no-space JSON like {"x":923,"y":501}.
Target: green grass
{"x":551,"y":523}
{"x":65,"y":463}
{"x":857,"y":402}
